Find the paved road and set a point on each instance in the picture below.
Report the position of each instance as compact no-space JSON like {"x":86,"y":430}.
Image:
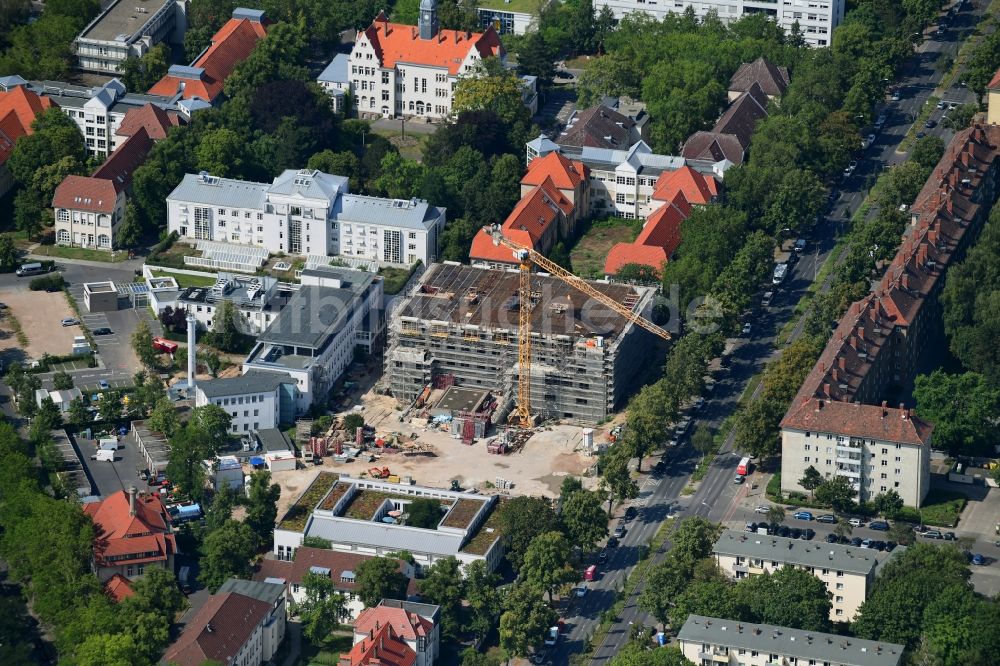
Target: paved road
{"x":717,"y":498}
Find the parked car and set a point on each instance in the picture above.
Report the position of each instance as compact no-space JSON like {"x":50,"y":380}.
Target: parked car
{"x":919,"y":529}
{"x":879,"y":525}
{"x":896,"y":96}
{"x":747,"y":328}
{"x":612,"y":542}
{"x":949,"y":536}
{"x":794,"y":533}
{"x":581,"y":591}
{"x":832,"y":538}
{"x":933,"y":534}
{"x":808,"y":533}
{"x":827,"y":518}
{"x":871,"y":139}
{"x":631,"y":513}
{"x":750,"y":527}
{"x":602,"y":557}
{"x":104,"y":330}
{"x":619,"y":531}
{"x":768,"y":297}
{"x":800,"y":245}
{"x":856,"y":542}
{"x":856,"y":522}
{"x":782,"y":530}
{"x":762,"y":508}
{"x":930,"y":124}
{"x":802,"y":515}
{"x":921,"y":134}
{"x":941,"y":104}
{"x":890,"y":546}
{"x":739,"y":478}
{"x":878,"y":545}
{"x":103,"y":384}
{"x":866,"y":543}
{"x":978,"y":560}
{"x":69,"y":321}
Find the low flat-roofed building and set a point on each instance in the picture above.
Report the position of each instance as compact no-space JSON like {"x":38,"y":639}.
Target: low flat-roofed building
{"x":707,"y":641}
{"x":257,"y":300}
{"x":126,"y":29}
{"x":848,"y":572}
{"x":152,"y":446}
{"x":100,"y":296}
{"x":255,"y":400}
{"x":366,"y":516}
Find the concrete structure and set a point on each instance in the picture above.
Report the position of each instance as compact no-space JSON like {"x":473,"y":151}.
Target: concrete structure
{"x":132,"y":532}
{"x":305,"y":212}
{"x":708,"y":641}
{"x":100,"y":296}
{"x":335,"y":80}
{"x":242,"y":624}
{"x":404,"y":70}
{"x":203,"y":80}
{"x":847,"y":572}
{"x":257,"y":300}
{"x":816,"y":18}
{"x":225,"y":471}
{"x":255,"y":401}
{"x":313,"y":339}
{"x":340,"y":567}
{"x":396,"y":633}
{"x":152,"y":446}
{"x":18,"y":108}
{"x":354,"y":515}
{"x":462,"y":321}
{"x":499,"y":15}
{"x":60,"y":399}
{"x":128,"y":29}
{"x":840,"y":422}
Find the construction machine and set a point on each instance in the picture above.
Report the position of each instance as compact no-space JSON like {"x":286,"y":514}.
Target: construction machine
{"x":526,"y":259}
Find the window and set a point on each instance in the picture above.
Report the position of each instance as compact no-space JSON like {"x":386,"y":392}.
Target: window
{"x":620,"y":198}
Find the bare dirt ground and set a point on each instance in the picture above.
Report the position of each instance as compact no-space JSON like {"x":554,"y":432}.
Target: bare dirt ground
{"x":538,"y":468}
{"x":39,"y":313}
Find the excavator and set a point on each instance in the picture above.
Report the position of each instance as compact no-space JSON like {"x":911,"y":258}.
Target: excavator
{"x":527,"y":258}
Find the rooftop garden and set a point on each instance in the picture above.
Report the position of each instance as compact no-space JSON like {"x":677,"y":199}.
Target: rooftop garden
{"x":297,"y":514}
{"x":487,"y":534}
{"x":462,"y":513}
{"x":338,"y":491}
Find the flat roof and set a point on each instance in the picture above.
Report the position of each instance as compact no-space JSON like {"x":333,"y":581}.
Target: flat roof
{"x":488,"y":298}
{"x":783,"y":641}
{"x":272,"y":440}
{"x":315,"y":313}
{"x":855,"y":560}
{"x":458,"y":399}
{"x":122,"y":20}
{"x":99,"y":287}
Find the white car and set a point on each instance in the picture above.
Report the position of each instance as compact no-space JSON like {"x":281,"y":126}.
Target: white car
{"x":856,"y":522}
{"x":581,"y":591}
{"x":895,"y":96}
{"x":761,"y":508}
{"x":871,"y":139}
{"x":747,"y":328}
{"x":941,"y":105}
{"x":69,"y":321}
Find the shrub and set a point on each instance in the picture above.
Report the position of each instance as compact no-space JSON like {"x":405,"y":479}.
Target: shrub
{"x":47,"y":282}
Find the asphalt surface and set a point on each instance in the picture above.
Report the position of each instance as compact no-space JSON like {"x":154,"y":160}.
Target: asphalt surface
{"x":717,"y":497}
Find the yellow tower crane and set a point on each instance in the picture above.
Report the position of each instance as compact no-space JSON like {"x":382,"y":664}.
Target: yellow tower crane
{"x":526,"y":258}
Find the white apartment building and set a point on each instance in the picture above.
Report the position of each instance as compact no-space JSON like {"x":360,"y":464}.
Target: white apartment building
{"x":305,"y":213}
{"x":708,"y":641}
{"x":816,"y":18}
{"x":411,"y":71}
{"x":848,"y":572}
{"x":253,"y":400}
{"x":313,"y":338}
{"x":335,"y":81}
{"x":128,"y":29}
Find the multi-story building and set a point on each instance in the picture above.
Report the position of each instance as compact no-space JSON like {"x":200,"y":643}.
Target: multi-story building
{"x":396,"y":633}
{"x":462,"y":321}
{"x":707,"y":641}
{"x":335,"y":80}
{"x":840,"y":421}
{"x":305,"y":213}
{"x":508,"y":18}
{"x":89,"y":209}
{"x":18,"y":108}
{"x":313,"y":338}
{"x":599,"y":127}
{"x":816,"y":19}
{"x":350,"y":513}
{"x":257,"y":299}
{"x":730,"y":138}
{"x":254,"y":401}
{"x":128,"y":29}
{"x":242,"y":624}
{"x":404,"y":70}
{"x":847,"y":572}
{"x":772,"y":79}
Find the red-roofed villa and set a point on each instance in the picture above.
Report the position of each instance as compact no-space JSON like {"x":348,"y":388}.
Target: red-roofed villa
{"x":396,"y":633}
{"x":132,"y":532}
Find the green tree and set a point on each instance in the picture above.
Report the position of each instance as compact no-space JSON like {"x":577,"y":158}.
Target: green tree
{"x":694,"y":537}
{"x":484,"y":600}
{"x":649,"y":412}
{"x":776,"y":513}
{"x":443,"y":586}
{"x":490,"y":87}
{"x":78,"y":414}
{"x":104,"y":649}
{"x":212,"y":422}
{"x":521,"y":520}
{"x":703,"y":440}
{"x":142,"y":344}
{"x":570,"y":484}
{"x":226,"y":553}
{"x":927,"y":151}
{"x":616,"y":480}
{"x":903,"y":183}
{"x":788,"y":597}
{"x":525,"y":619}
{"x":836,"y":492}
{"x":149,"y":613}
{"x":142,"y":73}
{"x":584,"y":519}
{"x":62,"y":381}
{"x":164,"y":417}
{"x":220,"y":511}
{"x":842,"y":528}
{"x":635,"y":653}
{"x":535,"y":57}
{"x":425,"y":513}
{"x":665,"y":582}
{"x":962,"y":407}
{"x":110,"y":406}
{"x":226,"y":333}
{"x":262,"y":506}
{"x":222,"y":152}
{"x":352,"y":422}
{"x":379,"y":578}
{"x":344,"y":163}
{"x":888,"y":504}
{"x":713,"y":598}
{"x":129,"y":232}
{"x":53,"y":138}
{"x":547,"y":562}
{"x":811,"y":480}
{"x":400,"y":178}
{"x":611,"y":75}
{"x":323,"y":608}
{"x":212,"y":361}
{"x":9,"y":254}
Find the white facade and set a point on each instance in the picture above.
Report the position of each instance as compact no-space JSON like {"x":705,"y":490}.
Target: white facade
{"x":253,"y":401}
{"x":335,"y":81}
{"x":128,"y":29}
{"x":305,"y":213}
{"x":873,"y":466}
{"x":505,"y":21}
{"x":816,"y":18}
{"x":89,"y":228}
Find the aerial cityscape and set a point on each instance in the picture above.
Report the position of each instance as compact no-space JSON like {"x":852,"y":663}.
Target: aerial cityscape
{"x":499,"y":332}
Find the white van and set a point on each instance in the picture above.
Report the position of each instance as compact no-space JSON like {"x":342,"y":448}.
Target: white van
{"x":104,"y":455}
{"x":780,"y":272}
{"x":30,"y":269}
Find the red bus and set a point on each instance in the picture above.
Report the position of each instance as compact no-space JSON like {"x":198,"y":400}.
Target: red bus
{"x":744,"y":467}
{"x":164,"y":345}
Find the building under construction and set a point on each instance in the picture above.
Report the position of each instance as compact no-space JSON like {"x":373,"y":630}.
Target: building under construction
{"x":460,"y":325}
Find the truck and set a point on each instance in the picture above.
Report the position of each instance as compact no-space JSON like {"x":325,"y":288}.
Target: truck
{"x":779,"y":275}
{"x":743,"y":469}
{"x":103,"y":455}
{"x":108,"y":444}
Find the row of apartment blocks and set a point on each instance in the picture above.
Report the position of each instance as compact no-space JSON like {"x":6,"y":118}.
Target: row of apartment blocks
{"x":814,"y":19}
{"x":305,"y":212}
{"x":840,"y":421}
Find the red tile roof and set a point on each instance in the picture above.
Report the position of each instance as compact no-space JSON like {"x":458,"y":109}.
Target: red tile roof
{"x":698,"y":188}
{"x":407,"y":625}
{"x":383,"y":647}
{"x":99,"y":192}
{"x":294,"y":572}
{"x":994,"y":83}
{"x":565,"y":173}
{"x":144,"y":536}
{"x":856,"y":420}
{"x":533,"y":223}
{"x":155,"y":120}
{"x":119,"y":588}
{"x":659,"y":238}
{"x":18,"y":108}
{"x":397,"y":43}
{"x":217,"y":632}
{"x":231,"y":45}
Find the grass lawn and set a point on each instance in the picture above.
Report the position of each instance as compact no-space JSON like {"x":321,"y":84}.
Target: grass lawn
{"x":590,"y":251}
{"x":186,"y":280}
{"x":394,"y":279}
{"x":522,"y":6}
{"x":942,"y":508}
{"x":327,"y":654}
{"x":80,"y":253}
{"x":579,"y":62}
{"x":173,"y":257}
{"x":410,"y":146}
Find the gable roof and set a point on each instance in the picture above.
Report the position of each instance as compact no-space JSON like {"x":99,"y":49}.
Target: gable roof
{"x":528,"y":224}
{"x":698,"y":189}
{"x":217,"y":632}
{"x":383,"y":647}
{"x":395,"y":43}
{"x":307,"y":558}
{"x":772,"y":79}
{"x":564,"y":173}
{"x":656,"y":243}
{"x":408,"y":625}
{"x":142,"y":536}
{"x":742,"y":116}
{"x":598,"y":127}
{"x":119,"y":588}
{"x":152,"y":118}
{"x":18,"y":108}
{"x":205,"y":78}
{"x":994,"y":83}
{"x":98,"y":192}
{"x":714,"y":147}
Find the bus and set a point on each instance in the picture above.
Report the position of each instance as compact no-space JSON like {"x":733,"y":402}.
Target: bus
{"x":744,"y":467}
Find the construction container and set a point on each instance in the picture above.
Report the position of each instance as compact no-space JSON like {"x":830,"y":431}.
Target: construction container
{"x":588,"y":439}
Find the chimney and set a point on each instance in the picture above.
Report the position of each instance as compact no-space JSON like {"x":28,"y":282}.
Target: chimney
{"x":860,"y":332}
{"x":903,"y":412}
{"x":192,"y":331}
{"x":842,"y":362}
{"x":885,"y":408}
{"x":131,"y":500}
{"x":905,"y":281}
{"x":819,"y":403}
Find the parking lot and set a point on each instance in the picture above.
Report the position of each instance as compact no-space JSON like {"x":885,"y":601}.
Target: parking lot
{"x":111,"y":477}
{"x":39,"y":314}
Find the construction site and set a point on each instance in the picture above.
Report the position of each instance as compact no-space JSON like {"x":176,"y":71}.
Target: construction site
{"x":458,"y":332}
